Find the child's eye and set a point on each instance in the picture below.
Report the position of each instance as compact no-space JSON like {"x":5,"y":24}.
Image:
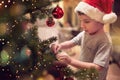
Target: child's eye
{"x":86,"y":21}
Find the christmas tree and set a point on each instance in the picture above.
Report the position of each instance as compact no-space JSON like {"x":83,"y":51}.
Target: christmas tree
{"x":22,"y":52}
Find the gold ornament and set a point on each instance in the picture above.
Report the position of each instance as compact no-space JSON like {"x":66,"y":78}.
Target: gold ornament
{"x":3,"y":28}
{"x":40,"y":78}
{"x":17,"y":9}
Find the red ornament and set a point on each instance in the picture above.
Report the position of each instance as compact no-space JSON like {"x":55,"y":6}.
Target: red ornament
{"x":50,"y":22}
{"x":57,"y":12}
{"x":69,"y":78}
{"x":24,"y":25}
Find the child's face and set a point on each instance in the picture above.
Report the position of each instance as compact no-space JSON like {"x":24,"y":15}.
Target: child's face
{"x":89,"y":25}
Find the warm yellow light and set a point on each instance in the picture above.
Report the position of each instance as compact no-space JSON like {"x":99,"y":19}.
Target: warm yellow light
{"x":5,"y":6}
{"x":8,"y":1}
{"x":2,"y":2}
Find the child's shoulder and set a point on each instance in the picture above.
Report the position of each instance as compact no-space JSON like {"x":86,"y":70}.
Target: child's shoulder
{"x":104,"y":37}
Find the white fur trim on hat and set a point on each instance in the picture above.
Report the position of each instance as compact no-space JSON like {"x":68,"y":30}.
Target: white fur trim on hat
{"x":95,"y":13}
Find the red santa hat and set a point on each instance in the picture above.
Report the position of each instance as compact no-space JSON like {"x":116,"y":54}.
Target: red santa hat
{"x":99,"y":10}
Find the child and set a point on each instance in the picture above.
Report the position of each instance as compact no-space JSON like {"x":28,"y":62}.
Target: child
{"x":95,"y":43}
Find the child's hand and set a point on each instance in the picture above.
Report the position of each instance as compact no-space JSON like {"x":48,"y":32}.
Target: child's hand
{"x":63,"y":57}
{"x":55,"y":47}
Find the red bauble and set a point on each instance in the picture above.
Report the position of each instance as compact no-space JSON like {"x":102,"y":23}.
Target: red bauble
{"x":69,"y":78}
{"x":57,"y":12}
{"x":50,"y":22}
{"x":24,"y":25}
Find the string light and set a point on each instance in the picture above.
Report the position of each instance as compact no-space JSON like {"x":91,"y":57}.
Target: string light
{"x":12,"y":62}
{"x":8,"y":1}
{"x":8,"y":62}
{"x":31,"y":75}
{"x":3,"y":43}
{"x":19,"y":65}
{"x":5,"y":6}
{"x":35,"y":7}
{"x":18,"y":77}
{"x":2,"y":2}
{"x":44,"y":60}
{"x":18,"y":48}
{"x":31,"y":69}
{"x":8,"y":42}
{"x":8,"y":70}
{"x":35,"y":1}
{"x":13,"y":26}
{"x":50,"y":63}
{"x":3,"y":39}
{"x":13,"y":52}
{"x":16,"y":21}
{"x":10,"y":45}
{"x":23,"y":69}
{"x":36,"y":68}
{"x":3,"y":69}
{"x":23,"y":0}
{"x":10,"y":75}
{"x":39,"y":64}
{"x":13,"y":2}
{"x":17,"y":71}
{"x":45,"y":65}
{"x":10,"y":57}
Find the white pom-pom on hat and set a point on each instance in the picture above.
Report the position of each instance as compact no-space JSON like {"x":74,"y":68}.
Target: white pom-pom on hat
{"x":109,"y":18}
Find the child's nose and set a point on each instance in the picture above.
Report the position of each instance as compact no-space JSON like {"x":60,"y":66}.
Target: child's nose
{"x":82,"y":25}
